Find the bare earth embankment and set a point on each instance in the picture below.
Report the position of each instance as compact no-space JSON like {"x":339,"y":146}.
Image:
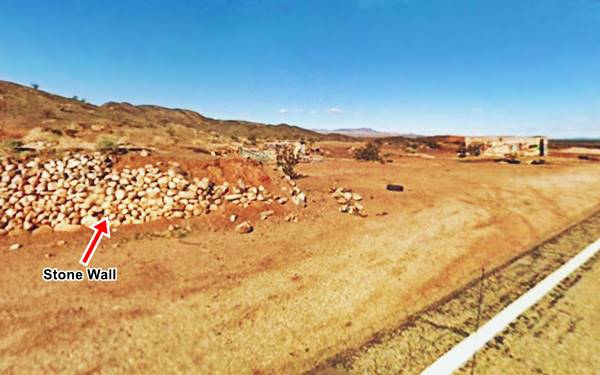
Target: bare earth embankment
{"x":289,"y":295}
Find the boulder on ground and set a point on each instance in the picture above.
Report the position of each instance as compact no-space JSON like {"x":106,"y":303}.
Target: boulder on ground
{"x":244,"y":227}
{"x":64,"y":227}
{"x":265,"y":214}
{"x":88,"y":221}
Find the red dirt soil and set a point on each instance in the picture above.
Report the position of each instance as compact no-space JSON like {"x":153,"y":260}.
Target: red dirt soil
{"x":288,"y":295}
{"x":217,"y":170}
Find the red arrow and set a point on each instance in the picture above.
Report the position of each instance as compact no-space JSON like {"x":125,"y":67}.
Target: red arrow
{"x":101,"y":228}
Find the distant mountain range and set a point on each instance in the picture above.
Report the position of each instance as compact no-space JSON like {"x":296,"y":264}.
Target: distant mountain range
{"x":364,"y":132}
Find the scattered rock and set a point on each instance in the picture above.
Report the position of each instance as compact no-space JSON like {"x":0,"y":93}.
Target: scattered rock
{"x":64,"y":227}
{"x":265,"y":214}
{"x":244,"y":227}
{"x":233,"y":197}
{"x":348,"y":201}
{"x":88,"y":221}
{"x":14,"y":247}
{"x":61,"y":243}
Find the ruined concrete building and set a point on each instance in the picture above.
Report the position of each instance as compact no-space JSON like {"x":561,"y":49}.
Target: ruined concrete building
{"x":507,"y":146}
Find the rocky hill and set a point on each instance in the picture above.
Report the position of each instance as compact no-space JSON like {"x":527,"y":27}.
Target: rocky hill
{"x":31,"y":115}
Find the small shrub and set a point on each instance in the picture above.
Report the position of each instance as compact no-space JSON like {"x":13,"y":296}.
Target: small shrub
{"x":107,"y":144}
{"x":474,"y":149}
{"x":286,"y":162}
{"x":368,"y":153}
{"x":56,"y":132}
{"x":35,"y":86}
{"x":433,"y":145}
{"x":13,"y":144}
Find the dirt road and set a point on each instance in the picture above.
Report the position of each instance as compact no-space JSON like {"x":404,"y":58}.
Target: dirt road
{"x":289,"y":295}
{"x":558,"y":326}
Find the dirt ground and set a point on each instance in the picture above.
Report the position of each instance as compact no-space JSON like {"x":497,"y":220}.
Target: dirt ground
{"x":289,"y":295}
{"x":558,"y":325}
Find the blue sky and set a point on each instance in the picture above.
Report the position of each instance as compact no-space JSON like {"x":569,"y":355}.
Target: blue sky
{"x":428,"y":67}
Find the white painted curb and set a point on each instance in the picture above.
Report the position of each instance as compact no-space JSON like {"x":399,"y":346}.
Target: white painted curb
{"x":461,"y":353}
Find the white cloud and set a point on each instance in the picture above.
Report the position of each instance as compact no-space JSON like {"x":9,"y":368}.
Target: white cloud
{"x":476,"y":109}
{"x":335,"y":110}
{"x":283,"y":110}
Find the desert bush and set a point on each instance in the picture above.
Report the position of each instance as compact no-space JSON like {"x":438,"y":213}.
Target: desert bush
{"x":286,"y":162}
{"x":56,"y":131}
{"x":433,"y":145}
{"x":474,"y":150}
{"x":13,"y":144}
{"x":107,"y":144}
{"x":35,"y":86}
{"x":368,"y":153}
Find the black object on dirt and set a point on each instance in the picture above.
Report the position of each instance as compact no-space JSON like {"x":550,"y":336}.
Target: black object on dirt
{"x":392,"y":187}
{"x":588,"y":157}
{"x":538,"y":162}
{"x":508,"y":160}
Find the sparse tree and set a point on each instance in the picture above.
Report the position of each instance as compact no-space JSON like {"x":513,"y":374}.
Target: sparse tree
{"x":35,"y":86}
